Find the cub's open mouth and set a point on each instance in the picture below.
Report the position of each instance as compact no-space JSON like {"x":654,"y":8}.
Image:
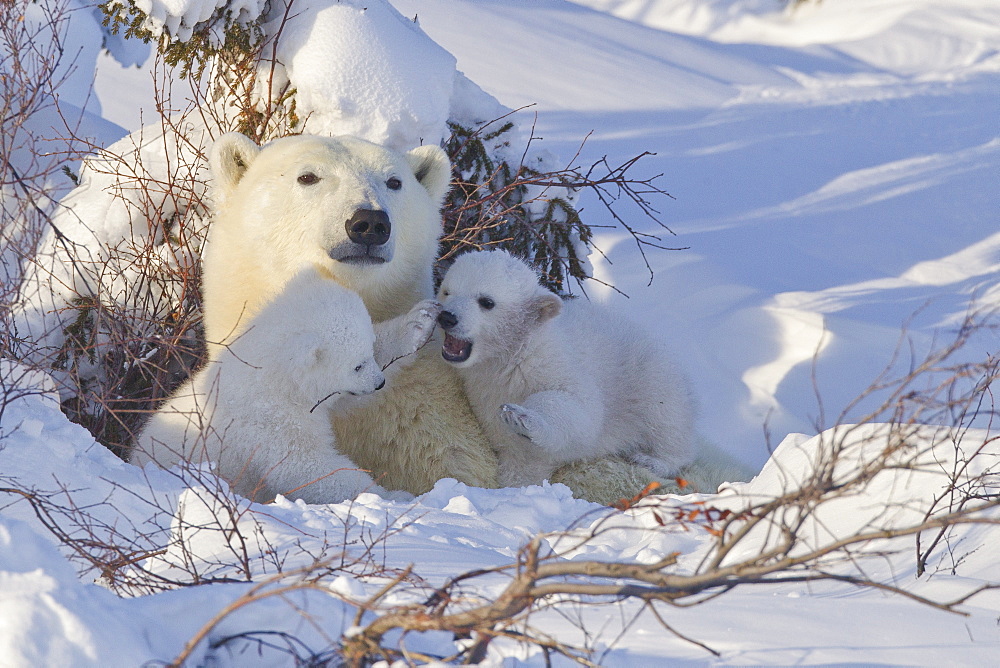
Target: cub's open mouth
{"x":455,"y":349}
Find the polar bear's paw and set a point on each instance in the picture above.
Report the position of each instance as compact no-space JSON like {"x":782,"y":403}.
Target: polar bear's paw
{"x":396,"y":340}
{"x":420,"y":322}
{"x":521,"y":421}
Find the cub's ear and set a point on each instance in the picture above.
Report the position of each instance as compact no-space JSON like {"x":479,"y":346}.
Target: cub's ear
{"x":231,"y":155}
{"x":432,"y":168}
{"x":545,"y":306}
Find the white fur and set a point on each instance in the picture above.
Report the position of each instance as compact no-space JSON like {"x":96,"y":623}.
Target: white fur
{"x":267,"y":224}
{"x":556,"y":382}
{"x":253,"y":410}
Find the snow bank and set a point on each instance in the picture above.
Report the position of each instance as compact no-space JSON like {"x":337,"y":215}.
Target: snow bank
{"x":361,"y":68}
{"x":186,"y":522}
{"x":918,"y":465}
{"x":925,"y":37}
{"x":50,"y":618}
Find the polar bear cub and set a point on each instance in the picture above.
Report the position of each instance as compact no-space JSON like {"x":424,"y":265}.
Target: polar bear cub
{"x":556,"y":381}
{"x":255,"y":409}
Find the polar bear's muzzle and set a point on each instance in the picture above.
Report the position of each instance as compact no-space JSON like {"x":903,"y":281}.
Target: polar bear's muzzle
{"x":368,"y":231}
{"x":454,"y":348}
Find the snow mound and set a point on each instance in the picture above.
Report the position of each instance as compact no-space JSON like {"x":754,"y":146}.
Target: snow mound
{"x":187,"y":526}
{"x":52,"y":619}
{"x":357,"y":68}
{"x":924,"y":33}
{"x":361,"y":68}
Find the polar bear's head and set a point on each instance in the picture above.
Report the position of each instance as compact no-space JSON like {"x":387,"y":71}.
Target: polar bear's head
{"x":491,"y":302}
{"x":368,"y":216}
{"x":314,"y":340}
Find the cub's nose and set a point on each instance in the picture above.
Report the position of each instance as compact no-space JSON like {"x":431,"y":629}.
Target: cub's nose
{"x":447,"y":320}
{"x":369,"y":227}
{"x":380,"y":385}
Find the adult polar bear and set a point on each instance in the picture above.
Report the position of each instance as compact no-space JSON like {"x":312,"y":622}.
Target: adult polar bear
{"x":370,"y":219}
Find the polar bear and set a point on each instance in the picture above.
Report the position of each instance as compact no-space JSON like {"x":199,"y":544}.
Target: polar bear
{"x":254,"y":408}
{"x":555,"y":382}
{"x":369,"y":218}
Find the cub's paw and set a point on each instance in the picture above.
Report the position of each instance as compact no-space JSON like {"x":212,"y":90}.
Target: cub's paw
{"x":420,"y":323}
{"x":520,"y":420}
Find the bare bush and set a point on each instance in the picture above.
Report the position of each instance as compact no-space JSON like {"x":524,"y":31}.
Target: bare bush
{"x":531,"y":211}
{"x":123,"y":328}
{"x":33,"y":65}
{"x":111,"y":305}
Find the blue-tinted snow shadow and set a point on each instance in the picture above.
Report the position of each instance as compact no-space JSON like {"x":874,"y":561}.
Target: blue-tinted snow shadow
{"x":776,"y":197}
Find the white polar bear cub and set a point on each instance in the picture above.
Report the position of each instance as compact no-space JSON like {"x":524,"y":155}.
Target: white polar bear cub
{"x":251,"y":408}
{"x":555,"y":382}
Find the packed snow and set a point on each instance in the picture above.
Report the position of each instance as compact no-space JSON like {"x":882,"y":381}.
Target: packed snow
{"x":834,"y":170}
{"x":390,"y":84}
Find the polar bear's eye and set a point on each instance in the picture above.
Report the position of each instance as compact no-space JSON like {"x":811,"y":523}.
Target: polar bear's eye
{"x":358,"y":368}
{"x":394,"y":184}
{"x":308,"y":179}
{"x":486,"y":303}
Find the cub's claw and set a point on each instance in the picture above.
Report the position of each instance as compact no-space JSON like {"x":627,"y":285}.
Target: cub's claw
{"x":518,"y":419}
{"x":420,"y":323}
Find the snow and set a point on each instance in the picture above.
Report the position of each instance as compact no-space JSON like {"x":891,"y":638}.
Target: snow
{"x":54,"y":616}
{"x":180,"y":19}
{"x":362,"y":69}
{"x":927,"y":36}
{"x":835,"y":171}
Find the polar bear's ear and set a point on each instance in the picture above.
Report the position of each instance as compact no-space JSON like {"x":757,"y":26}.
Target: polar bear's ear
{"x":230,"y":157}
{"x":545,"y":306}
{"x":432,"y":168}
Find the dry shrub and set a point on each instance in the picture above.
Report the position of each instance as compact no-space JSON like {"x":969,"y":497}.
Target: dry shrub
{"x":528,"y":206}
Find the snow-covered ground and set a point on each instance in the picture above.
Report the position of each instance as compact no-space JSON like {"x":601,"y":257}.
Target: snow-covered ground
{"x":835,"y":176}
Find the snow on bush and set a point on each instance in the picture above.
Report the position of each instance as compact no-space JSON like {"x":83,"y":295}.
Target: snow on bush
{"x":362,"y":69}
{"x":180,"y":21}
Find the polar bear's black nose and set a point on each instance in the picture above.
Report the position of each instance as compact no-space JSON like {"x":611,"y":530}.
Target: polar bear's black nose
{"x":447,"y":319}
{"x":369,"y":227}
